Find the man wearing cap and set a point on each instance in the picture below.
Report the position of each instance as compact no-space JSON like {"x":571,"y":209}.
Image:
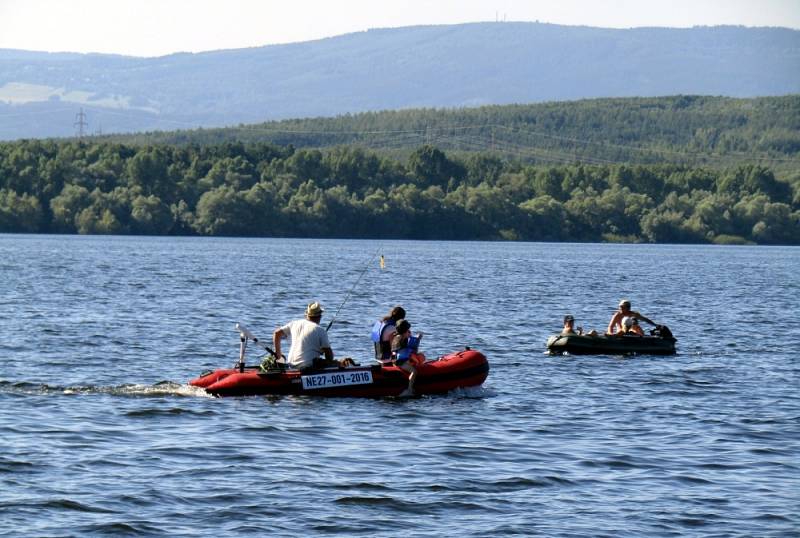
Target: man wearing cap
{"x":615,"y":325}
{"x":569,"y":326}
{"x":309,"y":340}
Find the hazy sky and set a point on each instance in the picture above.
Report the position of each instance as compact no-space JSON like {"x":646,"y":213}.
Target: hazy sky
{"x":158,"y":27}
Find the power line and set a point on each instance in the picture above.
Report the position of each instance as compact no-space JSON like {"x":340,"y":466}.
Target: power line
{"x":523,"y":141}
{"x":81,"y":123}
{"x":519,"y":140}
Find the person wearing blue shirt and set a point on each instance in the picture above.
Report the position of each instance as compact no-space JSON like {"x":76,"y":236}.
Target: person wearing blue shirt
{"x":405,"y":351}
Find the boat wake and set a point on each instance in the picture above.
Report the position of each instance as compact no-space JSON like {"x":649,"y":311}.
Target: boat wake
{"x":162,"y":388}
{"x":472,"y":392}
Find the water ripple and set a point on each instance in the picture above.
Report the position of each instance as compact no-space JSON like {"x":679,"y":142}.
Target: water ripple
{"x":96,"y":442}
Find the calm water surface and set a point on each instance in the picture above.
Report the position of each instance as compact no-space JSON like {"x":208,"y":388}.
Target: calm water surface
{"x":100,"y":435}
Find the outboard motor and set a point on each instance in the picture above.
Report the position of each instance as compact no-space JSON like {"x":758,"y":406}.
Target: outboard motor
{"x":662,"y":331}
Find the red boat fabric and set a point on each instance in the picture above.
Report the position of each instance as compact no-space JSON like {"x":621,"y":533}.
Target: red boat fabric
{"x":468,"y":368}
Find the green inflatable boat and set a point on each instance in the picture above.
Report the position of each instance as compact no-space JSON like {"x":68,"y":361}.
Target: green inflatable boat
{"x":659,"y":342}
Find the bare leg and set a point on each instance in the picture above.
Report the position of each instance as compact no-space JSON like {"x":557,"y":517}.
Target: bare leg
{"x":412,"y":377}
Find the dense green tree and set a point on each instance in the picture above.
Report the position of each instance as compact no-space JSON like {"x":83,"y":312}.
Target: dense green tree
{"x":67,"y":206}
{"x":584,"y":178}
{"x":517,"y":185}
{"x":753,"y":179}
{"x":19,"y":212}
{"x":684,"y":180}
{"x":350,"y":167}
{"x":148,"y":169}
{"x":429,"y":165}
{"x":492,"y":206}
{"x":767,"y":222}
{"x":669,"y":226}
{"x":307,"y":164}
{"x":182,"y":217}
{"x":483,"y":168}
{"x":236,"y":172}
{"x":97,"y":220}
{"x":150,"y":215}
{"x":639,"y":179}
{"x":20,"y":169}
{"x":265,"y":210}
{"x":223,"y":211}
{"x":549,"y":182}
{"x":713,"y":214}
{"x":545,"y":219}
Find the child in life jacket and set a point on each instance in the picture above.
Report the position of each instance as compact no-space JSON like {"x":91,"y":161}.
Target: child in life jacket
{"x":405,"y":351}
{"x":383,"y":332}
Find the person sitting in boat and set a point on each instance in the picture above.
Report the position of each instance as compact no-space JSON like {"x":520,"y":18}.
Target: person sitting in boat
{"x":569,"y":327}
{"x":383,"y":331}
{"x":630,"y":325}
{"x":570,"y":330}
{"x":309,"y":340}
{"x":615,"y":325}
{"x":405,"y":351}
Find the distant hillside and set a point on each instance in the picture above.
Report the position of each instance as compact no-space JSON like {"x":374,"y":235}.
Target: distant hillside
{"x":415,"y":67}
{"x":694,"y":130}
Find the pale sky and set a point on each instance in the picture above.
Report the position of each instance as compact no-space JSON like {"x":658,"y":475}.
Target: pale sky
{"x":159,"y":27}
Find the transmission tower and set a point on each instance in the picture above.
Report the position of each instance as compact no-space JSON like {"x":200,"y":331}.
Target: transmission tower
{"x":80,"y":123}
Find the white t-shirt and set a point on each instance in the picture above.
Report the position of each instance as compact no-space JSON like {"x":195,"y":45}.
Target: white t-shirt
{"x":308,"y":339}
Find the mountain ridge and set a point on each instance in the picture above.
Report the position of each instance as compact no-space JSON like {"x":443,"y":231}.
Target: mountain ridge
{"x":425,"y":66}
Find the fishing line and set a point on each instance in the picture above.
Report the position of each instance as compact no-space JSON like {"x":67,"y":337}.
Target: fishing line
{"x":363,"y":271}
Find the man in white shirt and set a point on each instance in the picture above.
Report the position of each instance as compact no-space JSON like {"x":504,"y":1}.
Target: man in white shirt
{"x":309,"y":340}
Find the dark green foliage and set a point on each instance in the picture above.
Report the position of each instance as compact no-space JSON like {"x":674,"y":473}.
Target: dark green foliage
{"x":426,"y":191}
{"x":19,"y":212}
{"x":430,"y":166}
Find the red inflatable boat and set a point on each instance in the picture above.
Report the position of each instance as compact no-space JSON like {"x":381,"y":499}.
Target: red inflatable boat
{"x":467,"y":368}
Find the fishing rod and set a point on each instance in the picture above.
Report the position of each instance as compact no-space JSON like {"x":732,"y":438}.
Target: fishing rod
{"x":352,"y":288}
{"x":245,"y":335}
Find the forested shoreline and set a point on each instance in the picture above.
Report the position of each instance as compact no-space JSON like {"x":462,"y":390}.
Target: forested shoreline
{"x":262,"y":189}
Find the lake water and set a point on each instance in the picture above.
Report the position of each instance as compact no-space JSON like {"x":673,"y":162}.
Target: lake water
{"x":101,"y":436}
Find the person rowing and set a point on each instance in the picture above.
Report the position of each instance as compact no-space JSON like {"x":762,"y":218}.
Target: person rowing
{"x":624,"y":311}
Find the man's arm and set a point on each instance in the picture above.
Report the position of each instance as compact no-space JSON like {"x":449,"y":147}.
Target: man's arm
{"x":325,"y":344}
{"x":277,"y":336}
{"x":643,"y":318}
{"x":614,"y":321}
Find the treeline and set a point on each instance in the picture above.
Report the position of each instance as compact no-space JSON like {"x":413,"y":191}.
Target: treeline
{"x":693,"y":130}
{"x":261,"y":189}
